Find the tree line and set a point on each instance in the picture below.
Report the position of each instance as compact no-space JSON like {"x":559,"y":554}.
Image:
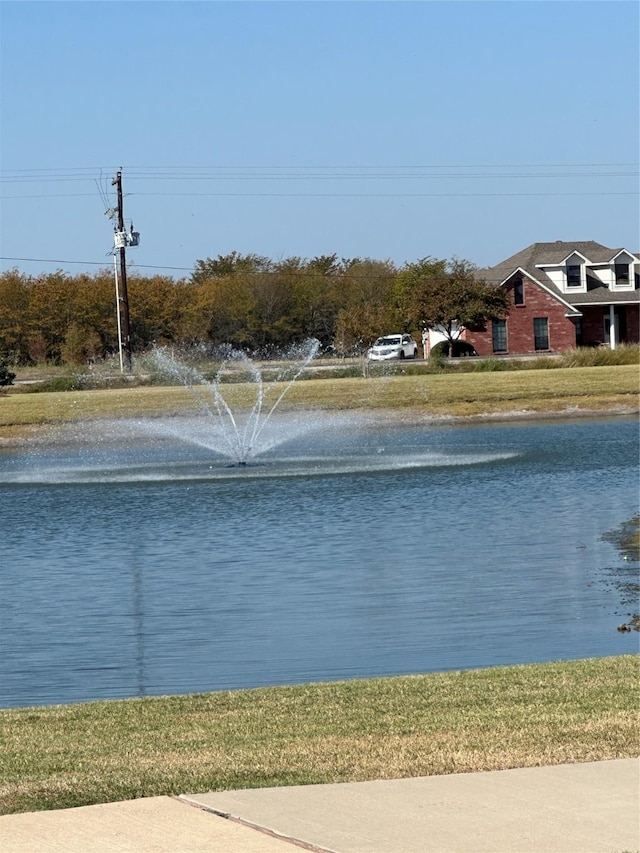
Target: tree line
{"x":249,"y":301}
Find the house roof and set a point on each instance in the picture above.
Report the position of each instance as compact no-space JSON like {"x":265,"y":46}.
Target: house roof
{"x":529,"y":260}
{"x":602,"y":295}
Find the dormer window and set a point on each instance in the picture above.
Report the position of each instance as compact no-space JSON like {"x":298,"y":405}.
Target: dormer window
{"x":622,"y":273}
{"x":574,"y":278}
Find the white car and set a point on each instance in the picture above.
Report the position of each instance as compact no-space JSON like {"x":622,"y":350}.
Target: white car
{"x":393,"y":346}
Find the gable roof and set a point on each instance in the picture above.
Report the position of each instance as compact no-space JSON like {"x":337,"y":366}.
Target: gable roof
{"x":553,"y":254}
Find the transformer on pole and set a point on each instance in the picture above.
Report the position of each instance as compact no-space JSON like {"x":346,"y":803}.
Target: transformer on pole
{"x":122,"y":239}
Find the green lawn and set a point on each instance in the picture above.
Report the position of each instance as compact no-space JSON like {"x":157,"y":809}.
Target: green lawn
{"x":452,"y":722}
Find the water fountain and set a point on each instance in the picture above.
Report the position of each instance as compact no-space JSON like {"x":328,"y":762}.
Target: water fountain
{"x":225,"y":440}
{"x":241,"y":436}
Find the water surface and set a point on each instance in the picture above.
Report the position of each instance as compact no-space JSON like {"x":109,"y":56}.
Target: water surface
{"x":147,"y":566}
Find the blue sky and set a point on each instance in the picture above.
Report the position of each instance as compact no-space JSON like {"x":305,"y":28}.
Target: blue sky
{"x":370,"y":129}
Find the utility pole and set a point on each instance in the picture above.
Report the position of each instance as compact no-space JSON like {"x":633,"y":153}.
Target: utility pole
{"x":120,"y":242}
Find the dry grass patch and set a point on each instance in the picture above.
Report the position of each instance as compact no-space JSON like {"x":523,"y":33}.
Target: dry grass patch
{"x":562,"y":391}
{"x":489,"y":719}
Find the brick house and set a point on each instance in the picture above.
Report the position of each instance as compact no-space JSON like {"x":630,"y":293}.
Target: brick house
{"x":563,"y":295}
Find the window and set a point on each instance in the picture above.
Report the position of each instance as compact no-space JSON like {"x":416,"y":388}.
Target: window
{"x":574,"y":279}
{"x":499,"y":332}
{"x":518,"y":291}
{"x":541,"y":332}
{"x":622,"y":273}
{"x":579,"y":332}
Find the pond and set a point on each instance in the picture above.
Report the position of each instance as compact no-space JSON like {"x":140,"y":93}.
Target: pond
{"x":138,"y":563}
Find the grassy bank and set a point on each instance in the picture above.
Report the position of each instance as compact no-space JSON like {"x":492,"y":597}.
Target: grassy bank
{"x":453,"y":722}
{"x":562,"y":390}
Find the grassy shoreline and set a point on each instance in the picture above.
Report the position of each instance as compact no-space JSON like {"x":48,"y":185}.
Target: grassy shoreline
{"x":451,"y":722}
{"x":522,"y":393}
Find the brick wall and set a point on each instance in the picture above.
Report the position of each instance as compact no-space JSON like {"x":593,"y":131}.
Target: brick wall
{"x":593,"y":325}
{"x":520,"y":338}
{"x":633,"y":324}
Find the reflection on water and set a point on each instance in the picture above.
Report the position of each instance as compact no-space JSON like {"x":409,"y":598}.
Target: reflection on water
{"x":146,"y":566}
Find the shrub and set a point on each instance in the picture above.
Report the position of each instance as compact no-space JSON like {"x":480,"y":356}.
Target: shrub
{"x":490,"y":365}
{"x":601,"y":356}
{"x":461,"y":349}
{"x":59,"y":383}
{"x":6,"y":376}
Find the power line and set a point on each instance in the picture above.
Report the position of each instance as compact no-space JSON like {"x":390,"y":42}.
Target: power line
{"x":103,"y":264}
{"x":369,"y":167}
{"x":338,"y":195}
{"x":134,"y":266}
{"x":356,"y":176}
{"x":222,"y":175}
{"x":326,"y":176}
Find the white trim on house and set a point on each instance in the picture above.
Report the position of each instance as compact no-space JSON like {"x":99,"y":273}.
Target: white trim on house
{"x":632,"y":264}
{"x":563,"y":262}
{"x":604,"y":304}
{"x":629,"y":254}
{"x":572,"y":310}
{"x":603,"y":271}
{"x":558,"y":272}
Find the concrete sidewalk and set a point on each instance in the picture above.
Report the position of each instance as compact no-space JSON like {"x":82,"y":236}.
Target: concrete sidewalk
{"x":577,"y":808}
